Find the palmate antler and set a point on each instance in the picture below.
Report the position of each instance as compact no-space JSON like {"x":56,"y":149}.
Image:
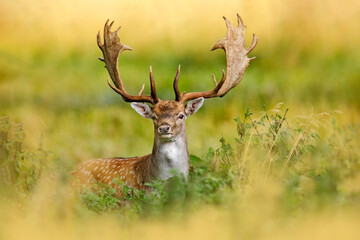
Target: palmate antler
{"x":236,"y":64}
{"x":111,"y":49}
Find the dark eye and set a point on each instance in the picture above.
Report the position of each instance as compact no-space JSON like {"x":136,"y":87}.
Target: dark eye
{"x":153,"y":117}
{"x":181,"y":116}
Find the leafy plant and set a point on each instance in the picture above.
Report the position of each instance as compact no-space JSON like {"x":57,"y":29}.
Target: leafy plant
{"x":20,"y":167}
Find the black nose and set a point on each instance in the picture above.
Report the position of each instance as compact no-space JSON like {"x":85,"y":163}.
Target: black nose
{"x":164,"y":129}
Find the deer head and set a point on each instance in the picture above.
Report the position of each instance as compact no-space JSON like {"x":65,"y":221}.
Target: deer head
{"x":169,"y":116}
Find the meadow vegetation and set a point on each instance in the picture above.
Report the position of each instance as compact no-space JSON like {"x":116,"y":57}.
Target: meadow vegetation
{"x":277,"y":158}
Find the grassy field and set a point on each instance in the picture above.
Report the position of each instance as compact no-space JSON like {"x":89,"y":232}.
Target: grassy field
{"x":277,"y":158}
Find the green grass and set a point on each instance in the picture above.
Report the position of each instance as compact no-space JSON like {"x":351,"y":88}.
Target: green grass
{"x":312,"y":171}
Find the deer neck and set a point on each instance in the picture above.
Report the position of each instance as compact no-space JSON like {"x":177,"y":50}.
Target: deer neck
{"x":168,"y":155}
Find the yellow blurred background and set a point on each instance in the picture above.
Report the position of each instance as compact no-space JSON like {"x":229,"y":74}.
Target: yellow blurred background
{"x":160,"y":25}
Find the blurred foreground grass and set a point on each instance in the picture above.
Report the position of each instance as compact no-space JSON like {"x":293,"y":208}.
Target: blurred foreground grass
{"x":60,"y":111}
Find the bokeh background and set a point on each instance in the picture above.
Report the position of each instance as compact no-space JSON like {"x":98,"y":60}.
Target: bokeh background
{"x":308,"y":58}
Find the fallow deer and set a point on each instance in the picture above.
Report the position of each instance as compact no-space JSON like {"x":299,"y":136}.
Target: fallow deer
{"x":170,"y":149}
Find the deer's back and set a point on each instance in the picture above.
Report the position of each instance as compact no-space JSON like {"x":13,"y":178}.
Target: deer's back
{"x":132,"y":171}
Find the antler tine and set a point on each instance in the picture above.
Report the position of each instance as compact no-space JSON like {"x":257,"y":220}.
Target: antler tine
{"x":176,"y":85}
{"x":253,"y":44}
{"x":98,"y":40}
{"x":236,"y":61}
{"x":153,"y":89}
{"x":239,"y":20}
{"x":141,"y":90}
{"x":214,"y":79}
{"x":111,"y":50}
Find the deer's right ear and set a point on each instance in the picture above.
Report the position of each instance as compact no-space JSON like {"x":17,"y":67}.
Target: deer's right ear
{"x":142,"y":109}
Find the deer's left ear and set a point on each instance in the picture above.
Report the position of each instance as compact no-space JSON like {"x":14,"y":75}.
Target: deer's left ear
{"x":194,"y":105}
